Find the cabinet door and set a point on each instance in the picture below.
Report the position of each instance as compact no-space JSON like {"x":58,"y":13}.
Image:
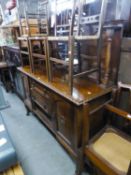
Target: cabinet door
{"x":19,"y":85}
{"x":65,"y":121}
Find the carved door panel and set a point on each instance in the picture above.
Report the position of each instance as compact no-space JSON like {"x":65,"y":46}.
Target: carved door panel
{"x":65,"y":121}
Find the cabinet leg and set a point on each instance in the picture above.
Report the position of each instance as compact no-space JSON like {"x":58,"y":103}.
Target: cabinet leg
{"x":78,"y":173}
{"x":27,"y":111}
{"x":79,"y":163}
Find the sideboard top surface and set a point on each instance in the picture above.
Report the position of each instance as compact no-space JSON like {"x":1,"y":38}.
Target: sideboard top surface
{"x":84,"y":91}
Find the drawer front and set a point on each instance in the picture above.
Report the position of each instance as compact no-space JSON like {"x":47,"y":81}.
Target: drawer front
{"x":65,"y":121}
{"x":42,"y":97}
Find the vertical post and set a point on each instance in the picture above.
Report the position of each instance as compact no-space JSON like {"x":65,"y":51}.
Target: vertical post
{"x":85,"y":139}
{"x":19,"y":17}
{"x":130,"y":101}
{"x":73,"y":18}
{"x":26,"y":18}
{"x":46,"y":58}
{"x":71,"y":61}
{"x":129,"y":170}
{"x":31,"y":60}
{"x":55,"y":17}
{"x":99,"y":34}
{"x":107,"y":63}
{"x":19,"y":41}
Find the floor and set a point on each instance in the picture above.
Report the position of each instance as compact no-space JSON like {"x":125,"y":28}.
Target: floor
{"x":38,"y":151}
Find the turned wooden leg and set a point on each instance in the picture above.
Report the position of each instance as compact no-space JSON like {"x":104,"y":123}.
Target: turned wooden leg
{"x":79,"y":163}
{"x":27,"y":111}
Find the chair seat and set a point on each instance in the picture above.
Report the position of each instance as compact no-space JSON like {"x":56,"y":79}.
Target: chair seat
{"x":114,"y":149}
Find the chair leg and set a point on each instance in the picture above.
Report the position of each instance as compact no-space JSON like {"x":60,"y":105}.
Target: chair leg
{"x":130,"y":101}
{"x":129,"y":170}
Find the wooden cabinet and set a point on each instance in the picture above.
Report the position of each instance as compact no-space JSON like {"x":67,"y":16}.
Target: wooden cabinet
{"x":64,"y":114}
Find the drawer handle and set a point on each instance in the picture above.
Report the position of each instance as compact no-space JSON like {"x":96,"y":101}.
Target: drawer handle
{"x":62,"y":119}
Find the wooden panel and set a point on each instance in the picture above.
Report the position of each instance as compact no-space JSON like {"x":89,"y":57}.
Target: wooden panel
{"x":65,"y":121}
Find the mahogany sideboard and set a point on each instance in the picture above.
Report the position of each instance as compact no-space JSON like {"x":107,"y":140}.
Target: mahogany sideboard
{"x":61,"y":113}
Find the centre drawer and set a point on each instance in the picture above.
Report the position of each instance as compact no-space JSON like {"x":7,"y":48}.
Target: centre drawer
{"x":42,"y":97}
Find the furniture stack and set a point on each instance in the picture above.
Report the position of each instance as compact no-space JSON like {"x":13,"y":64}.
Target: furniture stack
{"x":70,"y":58}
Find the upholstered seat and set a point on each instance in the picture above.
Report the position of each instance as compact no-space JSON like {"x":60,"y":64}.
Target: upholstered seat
{"x":113,"y":149}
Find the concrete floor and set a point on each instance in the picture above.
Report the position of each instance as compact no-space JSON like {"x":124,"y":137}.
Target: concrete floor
{"x":38,"y":151}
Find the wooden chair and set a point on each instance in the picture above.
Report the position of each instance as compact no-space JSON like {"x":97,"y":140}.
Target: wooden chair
{"x":110,"y":149}
{"x":121,"y":87}
{"x":37,"y":22}
{"x":70,"y":43}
